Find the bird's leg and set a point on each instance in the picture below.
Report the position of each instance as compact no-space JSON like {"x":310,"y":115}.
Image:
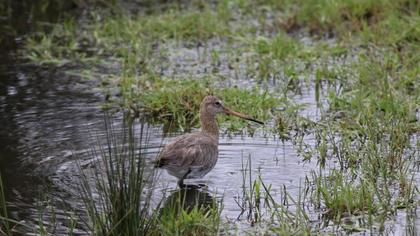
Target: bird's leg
{"x":181,"y":181}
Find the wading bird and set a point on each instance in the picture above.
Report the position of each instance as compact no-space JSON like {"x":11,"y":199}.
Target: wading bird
{"x":193,"y":155}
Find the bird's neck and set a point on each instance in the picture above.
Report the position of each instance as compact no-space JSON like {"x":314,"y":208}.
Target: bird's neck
{"x":209,"y":124}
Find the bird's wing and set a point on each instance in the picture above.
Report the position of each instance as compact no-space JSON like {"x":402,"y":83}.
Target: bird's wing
{"x":187,"y":150}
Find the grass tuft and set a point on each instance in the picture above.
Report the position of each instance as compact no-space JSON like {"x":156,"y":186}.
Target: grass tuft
{"x":119,"y":201}
{"x":189,"y":212}
{"x":5,"y":225}
{"x":179,"y":102}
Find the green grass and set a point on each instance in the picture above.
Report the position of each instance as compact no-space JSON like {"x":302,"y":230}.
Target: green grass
{"x":361,"y":57}
{"x":178,"y":101}
{"x":281,"y":47}
{"x":367,"y":128}
{"x":259,"y":203}
{"x":119,"y":201}
{"x":5,"y":224}
{"x":121,"y":36}
{"x":195,"y":222}
{"x":342,"y":197}
{"x":343,"y":17}
{"x":135,"y":44}
{"x":119,"y":194}
{"x":190,"y":212}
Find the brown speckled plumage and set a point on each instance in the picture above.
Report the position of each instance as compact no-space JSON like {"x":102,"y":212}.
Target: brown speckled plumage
{"x":193,"y":155}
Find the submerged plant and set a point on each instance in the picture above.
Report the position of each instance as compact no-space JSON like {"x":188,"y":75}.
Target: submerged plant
{"x":189,"y":212}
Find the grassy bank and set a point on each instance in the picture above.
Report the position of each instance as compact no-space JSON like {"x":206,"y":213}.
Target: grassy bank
{"x":132,"y":50}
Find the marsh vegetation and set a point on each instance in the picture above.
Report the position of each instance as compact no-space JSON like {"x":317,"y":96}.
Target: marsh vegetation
{"x":357,"y":61}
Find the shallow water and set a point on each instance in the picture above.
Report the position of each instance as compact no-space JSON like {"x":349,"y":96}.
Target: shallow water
{"x":43,"y":122}
{"x":50,"y":121}
{"x":47,"y":121}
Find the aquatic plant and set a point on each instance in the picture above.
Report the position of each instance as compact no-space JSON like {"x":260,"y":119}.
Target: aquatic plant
{"x":250,"y":200}
{"x":178,"y":101}
{"x":5,"y":226}
{"x":118,"y":193}
{"x":342,"y":197}
{"x":261,"y":205}
{"x":190,"y":212}
{"x":359,"y":57}
{"x":342,"y":18}
{"x":119,"y":201}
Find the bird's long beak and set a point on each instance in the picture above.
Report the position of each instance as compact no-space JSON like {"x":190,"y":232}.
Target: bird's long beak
{"x":234,"y":113}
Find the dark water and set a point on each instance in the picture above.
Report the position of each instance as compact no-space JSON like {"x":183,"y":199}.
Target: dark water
{"x":47,"y":116}
{"x":44,"y":113}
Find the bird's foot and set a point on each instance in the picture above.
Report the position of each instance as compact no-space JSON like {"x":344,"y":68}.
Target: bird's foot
{"x":181,"y":184}
{"x":202,"y":185}
{"x":191,"y":186}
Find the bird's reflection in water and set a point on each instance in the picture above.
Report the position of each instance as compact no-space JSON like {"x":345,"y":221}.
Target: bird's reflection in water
{"x":188,"y":198}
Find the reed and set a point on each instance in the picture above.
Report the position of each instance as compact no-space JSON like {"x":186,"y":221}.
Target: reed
{"x":119,"y":195}
{"x":5,"y":224}
{"x":118,"y":198}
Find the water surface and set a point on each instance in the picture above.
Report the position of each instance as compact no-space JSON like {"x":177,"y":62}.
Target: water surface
{"x":50,"y":121}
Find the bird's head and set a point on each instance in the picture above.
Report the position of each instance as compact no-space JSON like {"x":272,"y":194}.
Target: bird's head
{"x":211,"y":105}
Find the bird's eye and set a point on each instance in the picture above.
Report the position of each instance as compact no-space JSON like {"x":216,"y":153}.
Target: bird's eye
{"x":218,"y":104}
